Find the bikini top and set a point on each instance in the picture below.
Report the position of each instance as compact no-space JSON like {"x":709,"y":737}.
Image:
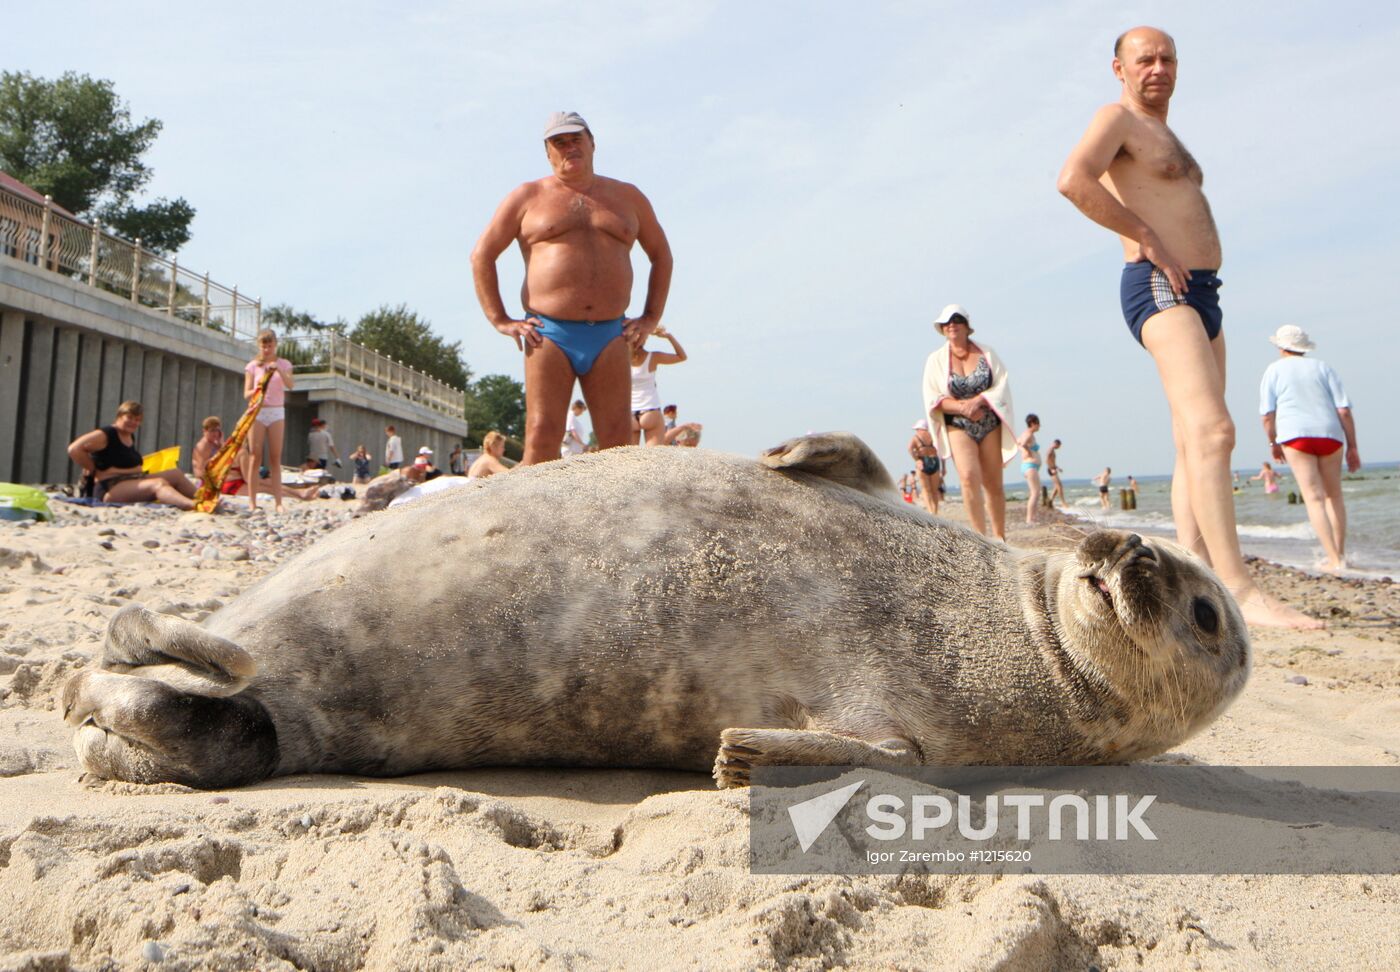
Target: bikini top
{"x":116,"y":454}
{"x":967,"y":386}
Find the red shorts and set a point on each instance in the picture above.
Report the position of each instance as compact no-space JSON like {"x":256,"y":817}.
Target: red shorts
{"x":231,"y":487}
{"x":1314,"y":446}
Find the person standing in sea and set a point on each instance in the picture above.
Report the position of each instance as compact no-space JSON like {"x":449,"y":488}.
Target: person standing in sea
{"x":1132,"y":175}
{"x":575,"y":230}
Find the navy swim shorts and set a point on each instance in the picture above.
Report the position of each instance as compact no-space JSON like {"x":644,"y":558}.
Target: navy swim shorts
{"x":1145,"y":291}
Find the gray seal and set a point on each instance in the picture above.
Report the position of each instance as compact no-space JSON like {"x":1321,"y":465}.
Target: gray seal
{"x":669,"y":608}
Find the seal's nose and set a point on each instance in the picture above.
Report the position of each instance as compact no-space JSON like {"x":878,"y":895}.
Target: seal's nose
{"x":1108,"y":547}
{"x":1099,"y":546}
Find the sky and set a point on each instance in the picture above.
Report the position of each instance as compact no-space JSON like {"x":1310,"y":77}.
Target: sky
{"x":829,"y":176}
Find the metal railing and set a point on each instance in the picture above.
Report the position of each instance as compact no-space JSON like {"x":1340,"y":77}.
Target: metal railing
{"x":330,"y":353}
{"x":40,"y":235}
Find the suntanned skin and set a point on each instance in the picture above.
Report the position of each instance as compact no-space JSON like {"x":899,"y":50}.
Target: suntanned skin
{"x":1131,"y":174}
{"x":170,"y":487}
{"x":209,"y":443}
{"x":575,"y":230}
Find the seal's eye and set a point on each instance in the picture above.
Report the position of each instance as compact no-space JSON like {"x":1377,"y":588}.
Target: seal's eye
{"x":1206,"y":617}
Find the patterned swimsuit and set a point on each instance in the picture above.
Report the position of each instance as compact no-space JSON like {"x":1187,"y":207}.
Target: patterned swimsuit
{"x":963,"y":387}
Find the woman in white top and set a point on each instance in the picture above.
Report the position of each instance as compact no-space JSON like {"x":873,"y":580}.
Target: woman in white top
{"x":646,"y":401}
{"x":1306,"y":416}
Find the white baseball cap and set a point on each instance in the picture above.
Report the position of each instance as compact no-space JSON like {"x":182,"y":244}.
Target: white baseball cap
{"x":949,"y":312}
{"x":563,"y":123}
{"x":922,"y":424}
{"x":1291,"y":337}
{"x":425,"y":451}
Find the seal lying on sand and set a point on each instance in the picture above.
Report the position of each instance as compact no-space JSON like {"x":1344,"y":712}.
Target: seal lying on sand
{"x":669,"y":608}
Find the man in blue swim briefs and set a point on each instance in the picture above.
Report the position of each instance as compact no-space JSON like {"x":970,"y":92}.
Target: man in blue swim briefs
{"x":1131,"y":174}
{"x":575,"y":230}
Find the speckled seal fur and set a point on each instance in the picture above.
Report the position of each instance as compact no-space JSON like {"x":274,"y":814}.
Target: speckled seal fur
{"x":669,"y":608}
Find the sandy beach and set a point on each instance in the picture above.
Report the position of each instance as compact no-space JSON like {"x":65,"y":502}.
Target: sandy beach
{"x":592,"y":869}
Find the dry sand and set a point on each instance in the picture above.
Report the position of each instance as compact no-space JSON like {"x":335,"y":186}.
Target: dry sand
{"x":585,"y":869}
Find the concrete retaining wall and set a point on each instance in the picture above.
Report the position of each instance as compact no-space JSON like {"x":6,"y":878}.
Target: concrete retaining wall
{"x":70,"y":354}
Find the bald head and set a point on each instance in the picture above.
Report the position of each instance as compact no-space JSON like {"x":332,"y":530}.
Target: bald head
{"x":1140,"y":33}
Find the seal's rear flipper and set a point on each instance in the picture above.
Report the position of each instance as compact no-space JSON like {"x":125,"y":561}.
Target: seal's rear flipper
{"x":837,"y":456}
{"x":143,"y":731}
{"x":177,"y":652}
{"x":742,"y":749}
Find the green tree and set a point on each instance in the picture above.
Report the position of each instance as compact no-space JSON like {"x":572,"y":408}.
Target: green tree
{"x":496,"y":402}
{"x":404,"y":336}
{"x":286,"y":319}
{"x":74,"y":139}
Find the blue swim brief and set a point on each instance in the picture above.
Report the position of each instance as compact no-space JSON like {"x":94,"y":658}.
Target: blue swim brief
{"x":1145,"y":291}
{"x":581,"y":341}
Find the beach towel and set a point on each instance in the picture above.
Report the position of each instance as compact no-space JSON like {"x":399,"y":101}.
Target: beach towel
{"x":210,"y":488}
{"x":89,"y":501}
{"x":167,"y":458}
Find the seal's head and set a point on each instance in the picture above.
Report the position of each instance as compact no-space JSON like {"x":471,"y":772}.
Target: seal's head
{"x":1168,"y":638}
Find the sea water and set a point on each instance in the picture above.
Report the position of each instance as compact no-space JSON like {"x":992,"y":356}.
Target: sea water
{"x":1269,"y":525}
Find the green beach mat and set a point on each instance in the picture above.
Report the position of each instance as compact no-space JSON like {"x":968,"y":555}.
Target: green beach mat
{"x":23,"y":503}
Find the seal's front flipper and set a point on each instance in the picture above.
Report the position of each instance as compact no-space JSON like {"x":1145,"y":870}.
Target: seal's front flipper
{"x":742,"y":749}
{"x":837,"y":456}
{"x":143,"y":731}
{"x":177,"y":652}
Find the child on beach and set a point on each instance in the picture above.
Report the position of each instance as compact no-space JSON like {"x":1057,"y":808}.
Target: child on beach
{"x":360,"y":458}
{"x":271,"y":420}
{"x":1269,"y":475}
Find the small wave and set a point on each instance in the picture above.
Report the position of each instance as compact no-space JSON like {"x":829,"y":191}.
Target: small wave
{"x":1287,"y":531}
{"x":1126,"y":520}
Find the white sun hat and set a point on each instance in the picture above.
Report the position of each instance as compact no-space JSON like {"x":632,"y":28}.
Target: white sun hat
{"x":1291,"y":337}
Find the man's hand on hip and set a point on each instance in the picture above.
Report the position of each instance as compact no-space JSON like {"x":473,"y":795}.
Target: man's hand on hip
{"x":637,"y":329}
{"x":521,"y":331}
{"x":1177,"y":273}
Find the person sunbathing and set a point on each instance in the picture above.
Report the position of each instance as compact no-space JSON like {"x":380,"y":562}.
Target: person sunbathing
{"x":111,"y":463}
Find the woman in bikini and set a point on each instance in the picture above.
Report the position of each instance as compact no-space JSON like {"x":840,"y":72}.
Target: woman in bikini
{"x":110,"y":460}
{"x":967,"y":396}
{"x":1030,"y":465}
{"x":930,"y":468}
{"x":271,"y":420}
{"x":646,"y":400}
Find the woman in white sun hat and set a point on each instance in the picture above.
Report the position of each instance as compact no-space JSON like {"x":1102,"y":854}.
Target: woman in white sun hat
{"x":967,"y":398}
{"x":1307,"y":417}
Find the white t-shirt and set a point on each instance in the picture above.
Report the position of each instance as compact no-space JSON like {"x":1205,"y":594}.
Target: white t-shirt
{"x":575,"y":436}
{"x":1304,"y":394}
{"x":393,"y":452}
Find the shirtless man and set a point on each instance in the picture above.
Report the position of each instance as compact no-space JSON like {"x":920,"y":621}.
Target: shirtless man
{"x":575,"y":230}
{"x":1131,"y":174}
{"x":1052,"y":469}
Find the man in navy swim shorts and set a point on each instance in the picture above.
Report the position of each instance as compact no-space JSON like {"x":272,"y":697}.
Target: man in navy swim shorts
{"x":575,"y":230}
{"x":1131,"y":174}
